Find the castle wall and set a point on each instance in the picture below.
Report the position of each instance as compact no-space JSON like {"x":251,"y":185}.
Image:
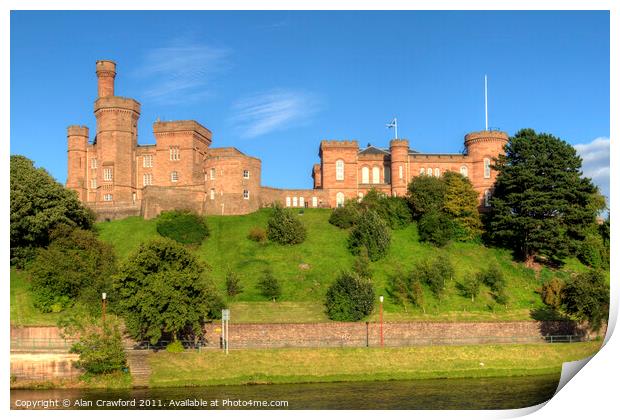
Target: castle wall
{"x":294,"y":198}
{"x":157,"y":199}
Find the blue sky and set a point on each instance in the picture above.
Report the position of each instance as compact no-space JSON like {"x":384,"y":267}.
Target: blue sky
{"x":274,"y":84}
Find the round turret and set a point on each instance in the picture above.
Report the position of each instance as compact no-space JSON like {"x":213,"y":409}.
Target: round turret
{"x":106,"y":72}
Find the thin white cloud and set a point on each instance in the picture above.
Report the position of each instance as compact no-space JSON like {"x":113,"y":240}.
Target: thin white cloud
{"x":181,"y":73}
{"x":274,"y":110}
{"x":595,"y":156}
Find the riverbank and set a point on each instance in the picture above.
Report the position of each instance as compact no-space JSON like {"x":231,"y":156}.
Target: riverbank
{"x":278,"y":366}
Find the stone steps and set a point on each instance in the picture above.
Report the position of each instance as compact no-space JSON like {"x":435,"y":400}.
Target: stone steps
{"x":139,"y":367}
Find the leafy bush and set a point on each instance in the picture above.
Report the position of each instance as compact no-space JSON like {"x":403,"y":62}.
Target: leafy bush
{"x":162,"y":291}
{"x":493,"y":277}
{"x":361,"y":265}
{"x":591,"y":251}
{"x":416,"y":294}
{"x":100,"y":348}
{"x":344,"y":217}
{"x":175,"y":347}
{"x":435,"y":273}
{"x":470,"y":287}
{"x":75,"y":266}
{"x":461,"y":204}
{"x":398,"y":288}
{"x":551,"y":293}
{"x":371,"y":233}
{"x":257,"y":234}
{"x":349,"y":298}
{"x":284,"y":228}
{"x":269,"y":286}
{"x":586,"y":297}
{"x":233,"y":284}
{"x":182,"y":226}
{"x":436,"y":227}
{"x":397,"y":212}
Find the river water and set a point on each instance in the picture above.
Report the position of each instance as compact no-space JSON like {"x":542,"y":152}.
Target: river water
{"x":488,"y":393}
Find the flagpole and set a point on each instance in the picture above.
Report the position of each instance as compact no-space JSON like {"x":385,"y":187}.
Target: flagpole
{"x":486,"y":108}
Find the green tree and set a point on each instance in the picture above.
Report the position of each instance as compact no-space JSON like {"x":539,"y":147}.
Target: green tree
{"x":269,"y":286}
{"x":586,"y":297}
{"x":398,"y":288}
{"x":426,"y":194}
{"x":435,"y":273}
{"x":349,"y":298}
{"x":551,"y":293}
{"x":233,"y":284}
{"x":461,"y":203}
{"x":100,"y":346}
{"x":284,"y":228}
{"x":162,"y":290}
{"x":493,"y":277}
{"x":38,"y":205}
{"x":361,"y":265}
{"x":76,"y":266}
{"x":344,"y":217}
{"x":436,"y":228}
{"x":183,"y":226}
{"x":541,"y":204}
{"x":471,"y":287}
{"x":370,"y":233}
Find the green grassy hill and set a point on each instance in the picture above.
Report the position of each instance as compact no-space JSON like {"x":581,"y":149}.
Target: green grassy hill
{"x":306,"y":270}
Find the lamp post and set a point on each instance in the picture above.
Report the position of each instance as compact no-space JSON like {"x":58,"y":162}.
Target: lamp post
{"x":103,"y":300}
{"x":381,"y":318}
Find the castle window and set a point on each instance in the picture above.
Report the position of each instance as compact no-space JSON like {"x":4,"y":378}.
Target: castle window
{"x":212,"y":194}
{"x":365,"y":175}
{"x":174,"y":176}
{"x":147,"y":179}
{"x":387,"y":175}
{"x":246,"y":195}
{"x":93,"y":183}
{"x":294,"y":201}
{"x":147,"y":161}
{"x":487,"y":198}
{"x":422,"y":171}
{"x":302,"y":202}
{"x":400,"y":172}
{"x":487,"y":168}
{"x":339,"y":199}
{"x":340,"y":170}
{"x":375,"y":175}
{"x":212,"y":173}
{"x":314,"y":201}
{"x":174,"y":153}
{"x":464,"y":171}
{"x":107,"y":174}
{"x":437,"y":172}
{"x":246,"y":174}
{"x":429,"y":171}
{"x":288,"y":201}
{"x":107,"y":197}
{"x":93,"y":163}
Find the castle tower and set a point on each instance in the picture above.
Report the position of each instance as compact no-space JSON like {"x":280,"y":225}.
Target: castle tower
{"x":483,"y":147}
{"x":77,"y":141}
{"x":116,"y":139}
{"x":399,"y":150}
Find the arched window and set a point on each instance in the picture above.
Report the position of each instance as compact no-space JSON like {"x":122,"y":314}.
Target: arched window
{"x":288,"y":201}
{"x":437,"y":172}
{"x":365,"y":175}
{"x":375,"y":175}
{"x":302,"y":202}
{"x":340,"y":170}
{"x":429,"y":172}
{"x":294,"y":201}
{"x":400,"y":172}
{"x":422,"y":171}
{"x":487,"y":168}
{"x":464,"y":171}
{"x":339,"y":199}
{"x":487,"y":198}
{"x":387,"y":175}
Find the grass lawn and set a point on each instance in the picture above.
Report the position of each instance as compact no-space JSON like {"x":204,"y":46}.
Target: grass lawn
{"x":306,"y":270}
{"x":361,"y":364}
{"x":23,"y":311}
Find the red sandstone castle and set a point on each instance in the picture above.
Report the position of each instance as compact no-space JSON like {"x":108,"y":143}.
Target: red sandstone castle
{"x":117,"y":177}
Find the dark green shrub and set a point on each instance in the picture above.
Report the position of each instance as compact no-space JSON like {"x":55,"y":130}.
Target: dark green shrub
{"x":586,"y":297}
{"x":284,"y":228}
{"x":416,"y":294}
{"x":349,"y":298}
{"x":493,"y":277}
{"x":175,"y":347}
{"x":361,"y":265}
{"x":269,"y":286}
{"x":371,"y":233}
{"x":76,"y":266}
{"x":551,"y":293}
{"x":397,"y":212}
{"x":233,"y":284}
{"x":426,"y":194}
{"x":398,"y":288}
{"x":591,"y":251}
{"x":436,"y":227}
{"x":182,"y":226}
{"x":100,"y":348}
{"x":346,"y":216}
{"x":470,"y":287}
{"x":257,"y":234}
